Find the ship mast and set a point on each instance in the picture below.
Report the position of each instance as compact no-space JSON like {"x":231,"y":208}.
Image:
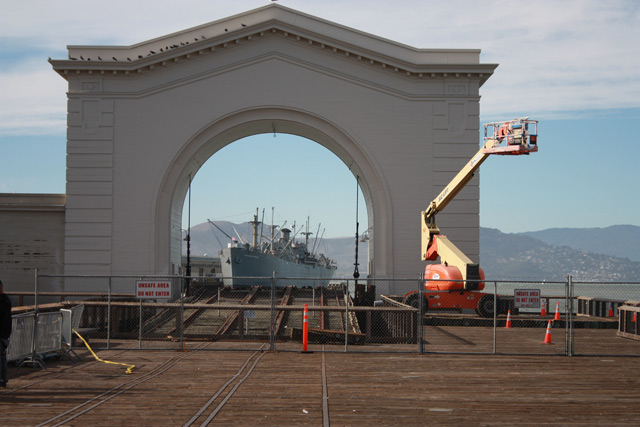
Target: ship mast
{"x":306,"y":237}
{"x":272,"y":229}
{"x":255,"y":224}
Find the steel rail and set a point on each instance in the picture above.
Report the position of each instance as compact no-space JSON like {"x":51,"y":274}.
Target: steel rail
{"x":193,"y":316}
{"x":232,"y":392}
{"x":116,"y":391}
{"x":286,"y":299}
{"x":49,"y":376}
{"x":233,"y":318}
{"x":222,"y":388}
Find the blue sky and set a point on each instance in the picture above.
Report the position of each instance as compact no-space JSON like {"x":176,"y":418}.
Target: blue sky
{"x":573,"y":65}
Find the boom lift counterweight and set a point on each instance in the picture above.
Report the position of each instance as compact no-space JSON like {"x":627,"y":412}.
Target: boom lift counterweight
{"x":457,"y":276}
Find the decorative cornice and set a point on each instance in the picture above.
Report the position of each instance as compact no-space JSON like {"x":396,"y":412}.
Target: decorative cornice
{"x":272,"y":21}
{"x":32,"y":202}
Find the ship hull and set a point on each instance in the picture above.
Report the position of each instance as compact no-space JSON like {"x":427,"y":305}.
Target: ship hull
{"x":242,"y":268}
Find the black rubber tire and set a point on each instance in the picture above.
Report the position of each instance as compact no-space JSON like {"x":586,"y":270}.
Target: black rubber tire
{"x":485,"y":306}
{"x":414,"y":301}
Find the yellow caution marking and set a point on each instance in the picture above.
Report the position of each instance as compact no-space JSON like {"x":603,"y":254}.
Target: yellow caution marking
{"x":129,"y":367}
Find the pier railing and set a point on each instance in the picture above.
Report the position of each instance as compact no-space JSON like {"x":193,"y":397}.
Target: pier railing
{"x":367,"y":315}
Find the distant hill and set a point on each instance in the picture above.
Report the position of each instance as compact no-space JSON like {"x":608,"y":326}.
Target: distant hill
{"x":519,"y":256}
{"x":551,"y":255}
{"x":622,"y":241}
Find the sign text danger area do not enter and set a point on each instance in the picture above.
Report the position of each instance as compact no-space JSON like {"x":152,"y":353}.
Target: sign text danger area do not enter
{"x":526,"y":298}
{"x":153,"y":289}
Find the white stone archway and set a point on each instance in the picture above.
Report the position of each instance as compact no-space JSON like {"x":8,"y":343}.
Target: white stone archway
{"x":143,"y":117}
{"x":267,"y":120}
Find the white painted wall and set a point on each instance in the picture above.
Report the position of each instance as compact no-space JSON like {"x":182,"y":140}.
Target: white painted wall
{"x":31,"y":237}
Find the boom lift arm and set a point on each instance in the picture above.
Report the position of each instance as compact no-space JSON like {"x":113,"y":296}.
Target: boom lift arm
{"x":515,"y":137}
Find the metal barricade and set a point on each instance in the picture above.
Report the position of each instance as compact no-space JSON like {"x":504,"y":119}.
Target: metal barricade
{"x":628,"y":322}
{"x":70,"y":322}
{"x":21,"y":342}
{"x":66,"y":326}
{"x":48,"y":334}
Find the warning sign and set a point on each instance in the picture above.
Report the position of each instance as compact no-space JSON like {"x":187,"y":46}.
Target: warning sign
{"x":153,"y":289}
{"x":527,"y":298}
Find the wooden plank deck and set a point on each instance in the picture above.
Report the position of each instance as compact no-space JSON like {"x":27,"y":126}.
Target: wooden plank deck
{"x":286,"y":388}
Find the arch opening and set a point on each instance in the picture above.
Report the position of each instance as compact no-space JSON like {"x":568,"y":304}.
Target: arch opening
{"x":300,"y":127}
{"x":294,"y":182}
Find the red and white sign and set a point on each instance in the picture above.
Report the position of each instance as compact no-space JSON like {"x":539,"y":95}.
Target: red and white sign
{"x":153,"y":289}
{"x":526,"y":298}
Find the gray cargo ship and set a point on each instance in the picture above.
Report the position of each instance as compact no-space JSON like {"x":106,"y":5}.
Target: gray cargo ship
{"x":251,"y":265}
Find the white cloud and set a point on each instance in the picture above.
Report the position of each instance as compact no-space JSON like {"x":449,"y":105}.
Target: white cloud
{"x":555,"y":57}
{"x":32,"y":101}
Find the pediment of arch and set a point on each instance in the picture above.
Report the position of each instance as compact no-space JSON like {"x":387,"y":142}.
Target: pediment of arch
{"x":279,"y":30}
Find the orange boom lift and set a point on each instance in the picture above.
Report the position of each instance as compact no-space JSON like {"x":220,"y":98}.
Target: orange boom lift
{"x":455,"y":282}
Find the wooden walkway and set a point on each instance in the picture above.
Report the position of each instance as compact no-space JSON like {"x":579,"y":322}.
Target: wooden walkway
{"x":246,"y":387}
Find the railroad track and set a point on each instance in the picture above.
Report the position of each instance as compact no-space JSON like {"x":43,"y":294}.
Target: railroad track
{"x":165,"y":323}
{"x":50,"y":376}
{"x":203,"y":416}
{"x":199,"y":318}
{"x":222,"y":396}
{"x":102,"y":398}
{"x":99,"y":404}
{"x":233,"y":318}
{"x":193,"y":316}
{"x":280,"y":314}
{"x":211,"y":323}
{"x":207,"y":413}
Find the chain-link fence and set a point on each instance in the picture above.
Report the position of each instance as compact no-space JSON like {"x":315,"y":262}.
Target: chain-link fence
{"x":370,"y":315}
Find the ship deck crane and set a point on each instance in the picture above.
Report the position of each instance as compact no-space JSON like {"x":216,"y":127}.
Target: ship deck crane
{"x":456,"y":278}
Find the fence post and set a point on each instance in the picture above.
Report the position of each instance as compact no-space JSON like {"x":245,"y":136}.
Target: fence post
{"x":572,"y":295}
{"x":272,"y":314}
{"x":346,"y":317}
{"x":419,"y":332}
{"x":569,"y":316}
{"x":109,"y":315}
{"x":140,"y":326}
{"x":495,"y":317}
{"x":566,"y":316}
{"x":35,"y":322}
{"x":35,"y":291}
{"x":183,"y":291}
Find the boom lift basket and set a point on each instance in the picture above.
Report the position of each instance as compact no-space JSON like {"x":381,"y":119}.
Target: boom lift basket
{"x":514,"y":137}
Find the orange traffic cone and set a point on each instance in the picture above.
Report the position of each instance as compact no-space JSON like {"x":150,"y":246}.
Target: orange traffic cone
{"x":305,"y":329}
{"x":557,"y":316}
{"x":543,"y":310}
{"x":508,"y":325}
{"x":610,"y":311}
{"x":547,"y":335}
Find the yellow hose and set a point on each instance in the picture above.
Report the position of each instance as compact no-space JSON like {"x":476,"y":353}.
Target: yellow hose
{"x":129,"y":369}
